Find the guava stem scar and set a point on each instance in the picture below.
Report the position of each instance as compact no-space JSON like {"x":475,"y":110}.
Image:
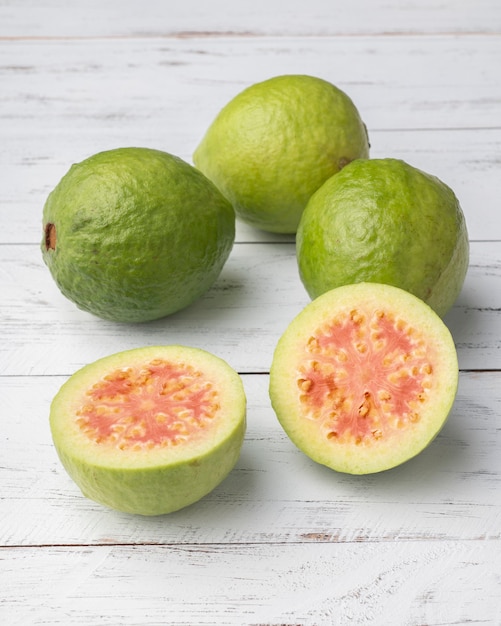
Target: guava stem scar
{"x":50,"y":236}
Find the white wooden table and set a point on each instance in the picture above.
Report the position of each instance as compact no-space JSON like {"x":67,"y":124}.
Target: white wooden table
{"x":282,"y":541}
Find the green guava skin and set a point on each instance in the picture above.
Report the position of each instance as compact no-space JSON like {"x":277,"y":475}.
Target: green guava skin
{"x":139,"y":234}
{"x":292,"y":353}
{"x":276,"y":142}
{"x":149,"y":483}
{"x":384,"y":221}
{"x":159,"y":490}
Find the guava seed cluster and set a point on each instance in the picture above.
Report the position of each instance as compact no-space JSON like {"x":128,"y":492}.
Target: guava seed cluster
{"x":365,"y":376}
{"x":160,"y":404}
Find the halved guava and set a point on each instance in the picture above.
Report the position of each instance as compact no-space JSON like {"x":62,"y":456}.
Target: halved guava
{"x":150,"y":430}
{"x":364,"y":378}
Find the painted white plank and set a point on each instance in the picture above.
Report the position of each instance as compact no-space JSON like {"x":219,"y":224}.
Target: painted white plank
{"x":474,"y":318}
{"x":119,"y":84}
{"x":434,"y":103}
{"x":265,"y":17}
{"x":404,"y":584}
{"x":240,"y":318}
{"x":451,"y":491}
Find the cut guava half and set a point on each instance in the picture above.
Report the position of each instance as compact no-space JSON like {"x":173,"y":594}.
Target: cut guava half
{"x":364,"y":378}
{"x":150,"y":430}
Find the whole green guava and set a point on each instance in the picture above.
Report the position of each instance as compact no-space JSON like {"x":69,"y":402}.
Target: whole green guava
{"x":276,"y":142}
{"x":134,"y":234}
{"x":385,"y":221}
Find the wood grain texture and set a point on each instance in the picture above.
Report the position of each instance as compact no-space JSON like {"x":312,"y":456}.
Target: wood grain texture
{"x":400,"y":584}
{"x":240,"y":318}
{"x":282,"y":541}
{"x":130,"y":18}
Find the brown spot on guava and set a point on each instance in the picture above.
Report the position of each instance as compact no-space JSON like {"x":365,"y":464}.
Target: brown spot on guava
{"x":50,"y":236}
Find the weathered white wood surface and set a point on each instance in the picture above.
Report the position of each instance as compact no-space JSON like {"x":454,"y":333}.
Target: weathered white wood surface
{"x":434,"y":101}
{"x":302,"y":584}
{"x":281,"y":540}
{"x":94,"y":18}
{"x":241,"y":317}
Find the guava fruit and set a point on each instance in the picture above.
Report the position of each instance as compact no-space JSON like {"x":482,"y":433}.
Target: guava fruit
{"x":385,"y":221}
{"x":150,"y":430}
{"x":276,"y":142}
{"x":364,"y":378}
{"x":135,"y":234}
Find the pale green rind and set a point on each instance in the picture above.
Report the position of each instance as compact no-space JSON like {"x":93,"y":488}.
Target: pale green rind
{"x":381,"y":220}
{"x":276,"y":142}
{"x":289,"y":353}
{"x":158,"y":481}
{"x":140,"y":234}
{"x":158,"y":490}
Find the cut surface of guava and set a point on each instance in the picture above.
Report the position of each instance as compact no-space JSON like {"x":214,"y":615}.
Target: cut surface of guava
{"x":364,"y":378}
{"x":150,"y":430}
